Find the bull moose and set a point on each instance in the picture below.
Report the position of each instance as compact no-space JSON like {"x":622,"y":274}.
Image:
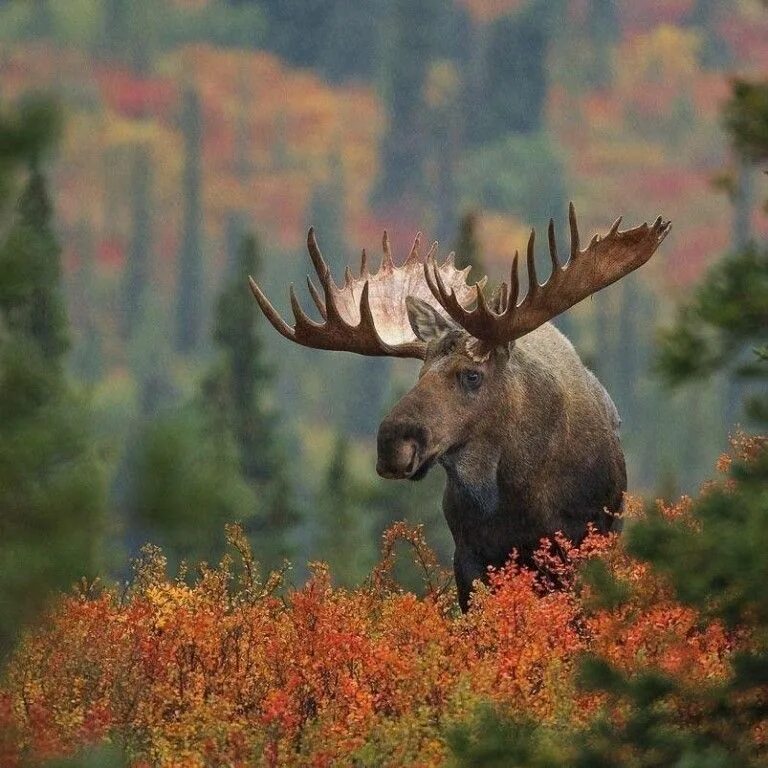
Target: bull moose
{"x":527,"y":435}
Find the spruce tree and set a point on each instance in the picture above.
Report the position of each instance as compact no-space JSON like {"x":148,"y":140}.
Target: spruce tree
{"x":356,"y":383}
{"x":179,"y":481}
{"x":746,"y":119}
{"x":138,"y":262}
{"x":183,"y":486}
{"x":88,"y":351}
{"x":724,"y":327}
{"x":30,"y":293}
{"x":237,"y":397}
{"x":726,"y":320}
{"x":51,"y":487}
{"x":413,"y":44}
{"x":514,"y":49}
{"x":343,"y":538}
{"x":189,"y":317}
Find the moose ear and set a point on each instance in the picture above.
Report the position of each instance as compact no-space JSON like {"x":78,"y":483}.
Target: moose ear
{"x":426,"y":321}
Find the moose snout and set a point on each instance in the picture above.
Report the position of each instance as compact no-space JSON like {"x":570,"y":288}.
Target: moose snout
{"x":401,"y":447}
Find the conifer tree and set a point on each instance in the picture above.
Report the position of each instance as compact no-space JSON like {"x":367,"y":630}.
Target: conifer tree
{"x":51,"y":489}
{"x":180,"y":480}
{"x":413,"y":44}
{"x":237,"y":397}
{"x":727,"y":319}
{"x":724,"y":326}
{"x":138,"y":262}
{"x":184,"y":485}
{"x":30,"y":294}
{"x":356,"y":383}
{"x":87,"y":354}
{"x":189,"y":316}
{"x":514,"y":49}
{"x":344,"y":541}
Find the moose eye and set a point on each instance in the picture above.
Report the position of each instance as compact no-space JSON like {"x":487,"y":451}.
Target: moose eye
{"x":471,"y":379}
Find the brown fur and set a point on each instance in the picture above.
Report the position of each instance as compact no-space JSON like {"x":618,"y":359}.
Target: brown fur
{"x":532,"y":451}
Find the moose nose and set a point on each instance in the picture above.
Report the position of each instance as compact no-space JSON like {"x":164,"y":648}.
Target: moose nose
{"x":400,"y":449}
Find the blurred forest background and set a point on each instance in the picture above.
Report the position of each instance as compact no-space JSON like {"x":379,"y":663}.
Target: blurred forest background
{"x":173,"y":148}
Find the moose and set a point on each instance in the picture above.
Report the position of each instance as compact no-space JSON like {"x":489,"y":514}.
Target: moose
{"x":527,"y":435}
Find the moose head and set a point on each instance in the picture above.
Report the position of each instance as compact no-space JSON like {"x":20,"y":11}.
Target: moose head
{"x":502,"y":401}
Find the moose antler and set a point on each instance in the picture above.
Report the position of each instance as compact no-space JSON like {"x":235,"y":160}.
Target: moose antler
{"x":367,"y":314}
{"x":604,"y":261}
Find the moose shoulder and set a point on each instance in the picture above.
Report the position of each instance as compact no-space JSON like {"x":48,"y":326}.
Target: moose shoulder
{"x":527,"y":435}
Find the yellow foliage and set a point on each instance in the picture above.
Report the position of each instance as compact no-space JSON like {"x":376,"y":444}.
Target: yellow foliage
{"x":442,"y":84}
{"x":667,"y":57}
{"x":500,"y":235}
{"x":486,"y":11}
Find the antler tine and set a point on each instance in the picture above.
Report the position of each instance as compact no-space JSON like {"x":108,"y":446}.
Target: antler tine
{"x":553,"y":248}
{"x":605,"y":260}
{"x":319,"y":303}
{"x":441,"y":290}
{"x":514,"y":282}
{"x":366,"y":314}
{"x":414,"y":252}
{"x":504,"y":298}
{"x":533,"y":283}
{"x":302,"y":319}
{"x":386,"y":261}
{"x":449,"y":298}
{"x":326,"y":280}
{"x":482,"y":304}
{"x":431,"y":284}
{"x":435,"y":284}
{"x":574,"y":231}
{"x":501,"y":296}
{"x":270,"y":312}
{"x":322,"y":269}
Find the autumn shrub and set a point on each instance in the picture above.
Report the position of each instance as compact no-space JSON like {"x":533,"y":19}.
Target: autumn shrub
{"x":229,"y":668}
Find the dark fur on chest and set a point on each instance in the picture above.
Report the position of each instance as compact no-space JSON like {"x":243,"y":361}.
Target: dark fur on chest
{"x":512,"y":511}
{"x":487,"y":523}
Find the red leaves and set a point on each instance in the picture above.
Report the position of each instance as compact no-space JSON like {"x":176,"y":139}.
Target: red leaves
{"x":135,"y":96}
{"x":225,"y":671}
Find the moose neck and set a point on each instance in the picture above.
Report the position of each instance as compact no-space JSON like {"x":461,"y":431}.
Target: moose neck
{"x":493,"y":498}
{"x":472,"y":472}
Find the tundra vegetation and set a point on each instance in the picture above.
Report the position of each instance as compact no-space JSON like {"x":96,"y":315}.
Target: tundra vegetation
{"x":642,"y":650}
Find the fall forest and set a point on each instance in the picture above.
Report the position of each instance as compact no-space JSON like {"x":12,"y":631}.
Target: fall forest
{"x":199,"y":565}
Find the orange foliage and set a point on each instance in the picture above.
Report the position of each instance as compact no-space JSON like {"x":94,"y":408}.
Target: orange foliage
{"x":133,"y":95}
{"x":486,"y":11}
{"x":499,"y":235}
{"x":636,"y":17}
{"x":271,"y":136}
{"x":234,"y":670}
{"x":651,"y":141}
{"x":746,"y":34}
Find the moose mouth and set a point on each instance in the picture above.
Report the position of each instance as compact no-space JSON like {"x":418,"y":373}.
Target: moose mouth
{"x":416,"y":469}
{"x":421,"y":469}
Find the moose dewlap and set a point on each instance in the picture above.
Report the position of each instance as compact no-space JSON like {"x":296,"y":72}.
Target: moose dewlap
{"x":528,"y":436}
